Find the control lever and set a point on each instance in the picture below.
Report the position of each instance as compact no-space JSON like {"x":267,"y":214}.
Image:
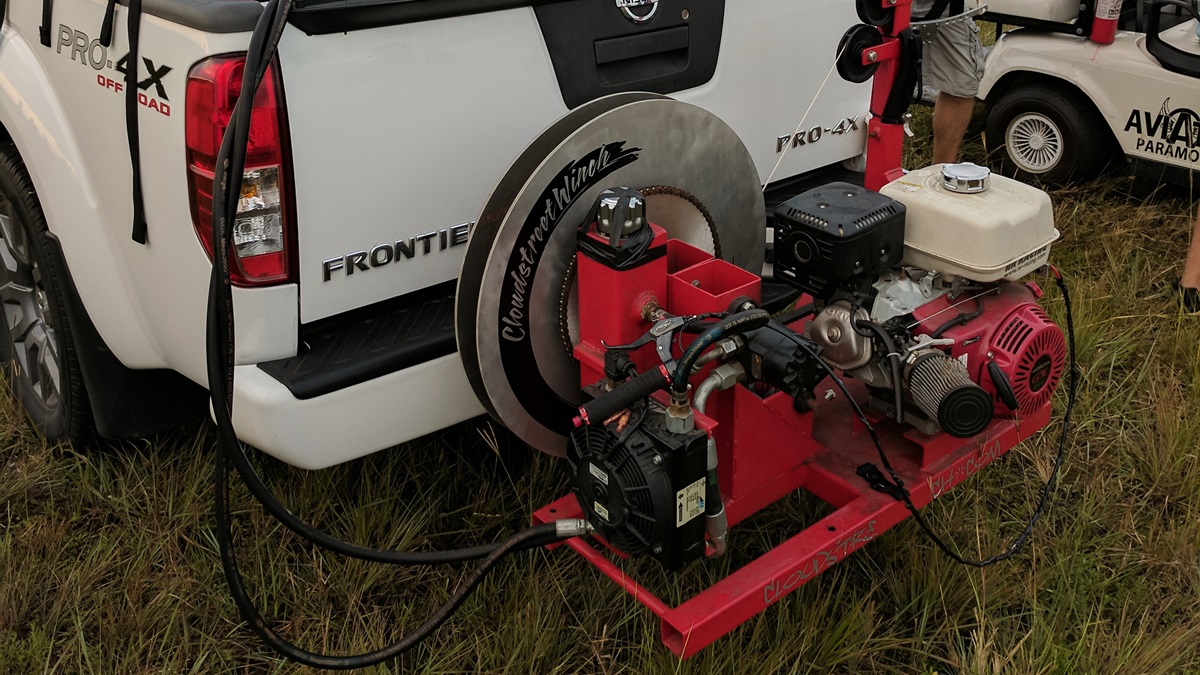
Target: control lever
{"x":661,"y":334}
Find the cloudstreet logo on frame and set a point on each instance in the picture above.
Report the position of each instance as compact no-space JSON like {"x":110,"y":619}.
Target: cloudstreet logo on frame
{"x":1173,"y":134}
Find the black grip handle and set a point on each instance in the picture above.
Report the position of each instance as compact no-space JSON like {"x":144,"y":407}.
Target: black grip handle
{"x":601,"y":408}
{"x":1003,"y":386}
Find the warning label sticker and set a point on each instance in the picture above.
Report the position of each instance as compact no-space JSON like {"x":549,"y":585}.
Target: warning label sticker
{"x":689,"y":502}
{"x":598,"y":473}
{"x":601,"y":511}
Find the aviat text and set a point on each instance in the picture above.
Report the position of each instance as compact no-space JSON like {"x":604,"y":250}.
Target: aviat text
{"x":382,"y":255}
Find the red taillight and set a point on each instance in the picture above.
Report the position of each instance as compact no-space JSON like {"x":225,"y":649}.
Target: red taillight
{"x":263,"y":234}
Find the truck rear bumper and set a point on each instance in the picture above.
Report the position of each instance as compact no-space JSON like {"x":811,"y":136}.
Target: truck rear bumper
{"x":349,"y":423}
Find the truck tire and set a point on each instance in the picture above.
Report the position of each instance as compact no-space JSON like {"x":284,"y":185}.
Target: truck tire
{"x":1046,"y":133}
{"x":37,"y":354}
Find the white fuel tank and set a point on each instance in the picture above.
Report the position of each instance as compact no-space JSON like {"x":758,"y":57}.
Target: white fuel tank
{"x":962,"y":221}
{"x":1062,"y":11}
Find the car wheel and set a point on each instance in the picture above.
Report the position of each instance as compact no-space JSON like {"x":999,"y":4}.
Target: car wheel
{"x":36,"y":352}
{"x":1039,"y":132}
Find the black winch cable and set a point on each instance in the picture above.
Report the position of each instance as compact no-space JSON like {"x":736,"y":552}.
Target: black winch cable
{"x":220,"y":356}
{"x":897,"y":489}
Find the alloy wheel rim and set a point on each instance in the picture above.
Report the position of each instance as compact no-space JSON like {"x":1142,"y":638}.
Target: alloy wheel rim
{"x":26,"y":311}
{"x":1034,"y":143}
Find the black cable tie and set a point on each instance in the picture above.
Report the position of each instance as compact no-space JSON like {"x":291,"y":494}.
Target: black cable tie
{"x":131,"y":121}
{"x":47,"y":17}
{"x":106,"y":25}
{"x":879,"y":483}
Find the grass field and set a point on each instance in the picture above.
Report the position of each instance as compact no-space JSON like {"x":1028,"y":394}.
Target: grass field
{"x":108,"y":562}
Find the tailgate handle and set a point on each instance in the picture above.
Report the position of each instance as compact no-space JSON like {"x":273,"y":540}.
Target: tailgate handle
{"x":640,"y":46}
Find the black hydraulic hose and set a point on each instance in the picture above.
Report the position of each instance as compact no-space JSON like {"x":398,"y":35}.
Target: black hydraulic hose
{"x":540,"y":533}
{"x":220,"y":362}
{"x":730,"y":325}
{"x":230,"y":162}
{"x":893,"y":356}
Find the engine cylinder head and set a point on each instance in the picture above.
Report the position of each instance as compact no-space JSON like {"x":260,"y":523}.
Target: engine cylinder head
{"x":941,"y":387}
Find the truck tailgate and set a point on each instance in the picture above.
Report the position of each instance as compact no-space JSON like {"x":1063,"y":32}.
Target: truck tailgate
{"x":400,"y":132}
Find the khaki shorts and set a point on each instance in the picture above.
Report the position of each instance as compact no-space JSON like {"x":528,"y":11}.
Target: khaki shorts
{"x":953,"y":61}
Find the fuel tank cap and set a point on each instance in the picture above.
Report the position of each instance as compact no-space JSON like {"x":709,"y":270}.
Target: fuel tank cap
{"x":966,"y":178}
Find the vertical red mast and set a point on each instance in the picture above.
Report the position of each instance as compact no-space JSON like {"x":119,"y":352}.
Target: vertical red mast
{"x":885,"y":140}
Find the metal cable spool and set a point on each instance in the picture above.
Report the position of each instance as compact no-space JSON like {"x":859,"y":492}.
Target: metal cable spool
{"x":514,"y":288}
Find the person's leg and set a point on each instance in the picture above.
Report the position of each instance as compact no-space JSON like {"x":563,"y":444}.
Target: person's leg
{"x":951,"y":115}
{"x":1191,"y":266}
{"x":1189,"y":281}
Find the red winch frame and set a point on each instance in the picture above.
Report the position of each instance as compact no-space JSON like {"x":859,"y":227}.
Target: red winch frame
{"x":885,"y":142}
{"x":818,"y":451}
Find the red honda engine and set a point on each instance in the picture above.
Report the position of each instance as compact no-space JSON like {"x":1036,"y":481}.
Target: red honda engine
{"x":1009,"y":345}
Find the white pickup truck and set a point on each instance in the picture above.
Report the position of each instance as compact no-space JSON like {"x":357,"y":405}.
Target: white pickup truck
{"x":377,"y":139}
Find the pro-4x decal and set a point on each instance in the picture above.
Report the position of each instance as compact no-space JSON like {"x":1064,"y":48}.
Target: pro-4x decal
{"x":92,"y":52}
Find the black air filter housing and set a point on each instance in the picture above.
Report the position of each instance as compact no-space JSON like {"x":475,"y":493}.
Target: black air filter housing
{"x":942,"y":389}
{"x":837,"y":236}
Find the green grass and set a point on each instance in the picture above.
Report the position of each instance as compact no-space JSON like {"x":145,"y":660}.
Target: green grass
{"x":108,"y":563}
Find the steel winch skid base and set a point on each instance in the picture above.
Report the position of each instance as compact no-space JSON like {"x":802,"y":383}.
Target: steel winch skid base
{"x":780,"y":450}
{"x":930,"y":466}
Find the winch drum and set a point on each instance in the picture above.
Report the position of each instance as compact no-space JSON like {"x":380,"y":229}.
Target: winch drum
{"x":512,"y":295}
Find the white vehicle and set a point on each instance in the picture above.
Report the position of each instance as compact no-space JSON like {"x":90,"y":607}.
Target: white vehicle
{"x":378,"y":138}
{"x":1061,"y":106}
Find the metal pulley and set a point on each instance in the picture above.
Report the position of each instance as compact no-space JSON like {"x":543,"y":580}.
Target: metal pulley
{"x":856,"y":41}
{"x":875,"y":13}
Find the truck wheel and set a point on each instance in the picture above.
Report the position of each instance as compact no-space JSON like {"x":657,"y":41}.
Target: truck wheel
{"x":1042,"y":132}
{"x":37,"y":355}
